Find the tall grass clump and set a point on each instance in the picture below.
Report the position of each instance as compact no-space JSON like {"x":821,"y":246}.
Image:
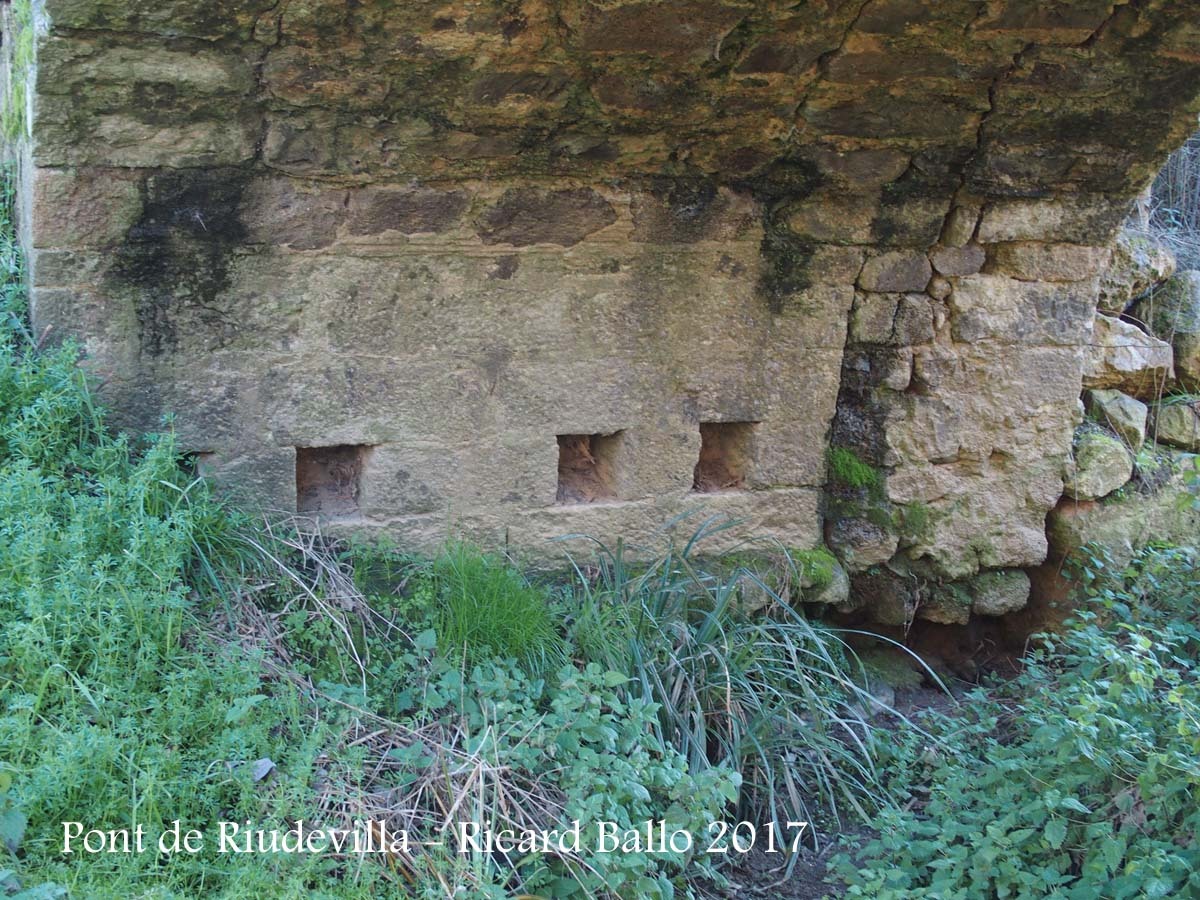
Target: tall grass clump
{"x":775,"y":697}
{"x":484,"y":607}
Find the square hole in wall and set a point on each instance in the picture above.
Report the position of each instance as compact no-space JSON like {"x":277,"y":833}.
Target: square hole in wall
{"x":587,"y":467}
{"x":328,"y":479}
{"x":726,"y":454}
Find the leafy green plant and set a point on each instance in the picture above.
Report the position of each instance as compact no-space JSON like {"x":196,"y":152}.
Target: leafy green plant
{"x":775,"y":697}
{"x":1080,"y":779}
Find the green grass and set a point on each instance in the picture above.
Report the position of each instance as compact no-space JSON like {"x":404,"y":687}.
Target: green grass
{"x":484,"y":607}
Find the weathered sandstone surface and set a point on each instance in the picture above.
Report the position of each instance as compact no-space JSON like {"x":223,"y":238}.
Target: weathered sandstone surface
{"x":522,"y":269}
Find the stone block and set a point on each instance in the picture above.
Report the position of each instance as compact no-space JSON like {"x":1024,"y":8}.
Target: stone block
{"x":1038,"y":261}
{"x":994,"y":307}
{"x":76,"y":208}
{"x":998,"y":593}
{"x":1123,"y":357}
{"x":1100,"y":464}
{"x":965,"y":260}
{"x":895,"y":272}
{"x":1120,"y":412}
{"x":525,"y":216}
{"x":1177,"y":422}
{"x":1137,"y":265}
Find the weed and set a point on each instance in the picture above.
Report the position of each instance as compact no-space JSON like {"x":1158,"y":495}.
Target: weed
{"x":774,"y":697}
{"x":845,"y":468}
{"x":485,"y":607}
{"x":1079,"y":778}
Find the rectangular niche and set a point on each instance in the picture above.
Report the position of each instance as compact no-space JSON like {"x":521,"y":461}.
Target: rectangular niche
{"x":328,"y":479}
{"x":587,"y":467}
{"x":726,"y":455}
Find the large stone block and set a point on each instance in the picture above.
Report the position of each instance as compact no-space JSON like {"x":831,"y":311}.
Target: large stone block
{"x":1121,"y":413}
{"x":1124,"y":357}
{"x":994,"y":307}
{"x":895,"y":272}
{"x":1036,"y":261}
{"x":525,"y":216}
{"x":1177,"y":422}
{"x":1136,"y":266}
{"x":1100,"y":464}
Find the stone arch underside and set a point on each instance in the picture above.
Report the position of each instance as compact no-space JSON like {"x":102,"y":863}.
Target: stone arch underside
{"x":423,"y":258}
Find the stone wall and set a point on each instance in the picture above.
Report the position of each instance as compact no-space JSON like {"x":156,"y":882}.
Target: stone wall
{"x":496,"y":266}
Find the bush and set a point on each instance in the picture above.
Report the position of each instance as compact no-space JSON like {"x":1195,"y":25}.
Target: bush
{"x":1080,"y":779}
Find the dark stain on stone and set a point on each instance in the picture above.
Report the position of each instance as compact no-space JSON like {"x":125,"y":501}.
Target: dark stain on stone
{"x":176,"y":256}
{"x":525,"y":216}
{"x":505,"y":267}
{"x":861,"y":413}
{"x":155,"y":102}
{"x":785,"y":256}
{"x":788,"y":178}
{"x":688,"y":198}
{"x":680,"y":209}
{"x":727,"y":265}
{"x":513,"y":24}
{"x":786,"y":259}
{"x":408,"y":210}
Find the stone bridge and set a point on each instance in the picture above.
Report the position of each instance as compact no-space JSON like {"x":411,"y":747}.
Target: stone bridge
{"x":519,"y":269}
